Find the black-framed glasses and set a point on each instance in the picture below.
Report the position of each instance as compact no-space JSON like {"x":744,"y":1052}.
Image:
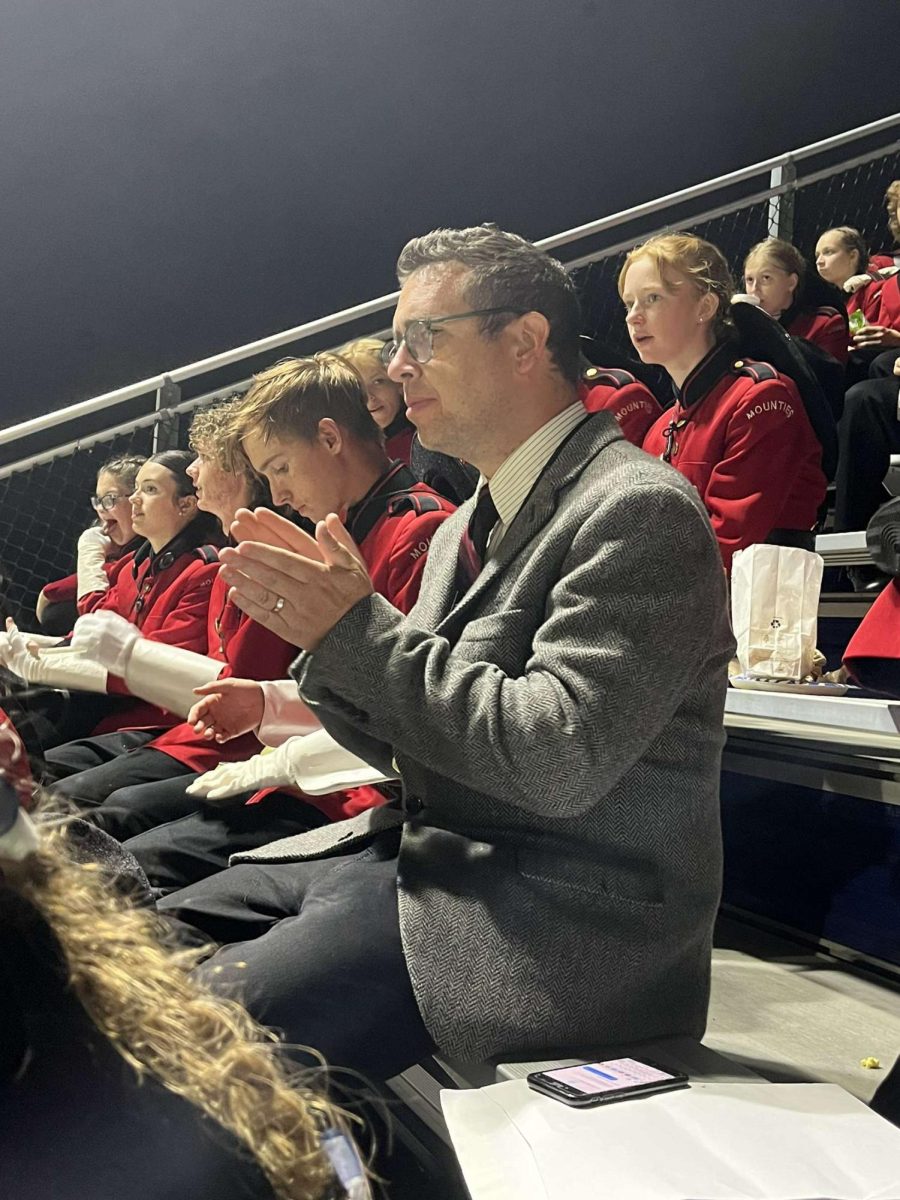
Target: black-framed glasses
{"x":419,"y":335}
{"x":107,"y":502}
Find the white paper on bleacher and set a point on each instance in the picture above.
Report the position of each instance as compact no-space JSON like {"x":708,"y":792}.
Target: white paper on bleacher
{"x":713,"y":1141}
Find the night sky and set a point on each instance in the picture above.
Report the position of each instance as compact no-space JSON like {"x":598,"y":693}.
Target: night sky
{"x":182,"y":176}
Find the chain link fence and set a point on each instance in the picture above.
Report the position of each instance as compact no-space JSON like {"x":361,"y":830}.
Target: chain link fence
{"x":44,"y":499}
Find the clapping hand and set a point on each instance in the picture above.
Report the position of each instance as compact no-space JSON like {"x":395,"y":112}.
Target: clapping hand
{"x":297,"y":586}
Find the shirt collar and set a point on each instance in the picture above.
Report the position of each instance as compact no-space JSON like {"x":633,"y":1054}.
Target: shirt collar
{"x":517,"y":474}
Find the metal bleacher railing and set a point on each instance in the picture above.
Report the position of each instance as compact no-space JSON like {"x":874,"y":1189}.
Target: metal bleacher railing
{"x":48,"y":465}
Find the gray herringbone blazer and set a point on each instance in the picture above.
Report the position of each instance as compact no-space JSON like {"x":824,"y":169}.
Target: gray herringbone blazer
{"x":561,"y":729}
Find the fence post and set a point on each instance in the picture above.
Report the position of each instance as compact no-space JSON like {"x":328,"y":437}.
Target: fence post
{"x":781,"y":207}
{"x":165,"y":428}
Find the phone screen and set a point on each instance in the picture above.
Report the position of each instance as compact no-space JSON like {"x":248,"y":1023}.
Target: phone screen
{"x":592,"y":1079}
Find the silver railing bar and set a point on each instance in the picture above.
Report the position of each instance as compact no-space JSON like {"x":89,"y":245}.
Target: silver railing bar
{"x":108,"y":399}
{"x":107,"y":435}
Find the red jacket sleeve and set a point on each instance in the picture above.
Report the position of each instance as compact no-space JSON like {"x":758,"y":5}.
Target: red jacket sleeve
{"x":60,"y":590}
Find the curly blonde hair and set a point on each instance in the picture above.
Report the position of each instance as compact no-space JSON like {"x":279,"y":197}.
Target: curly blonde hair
{"x":700,"y":261}
{"x":140,"y":995}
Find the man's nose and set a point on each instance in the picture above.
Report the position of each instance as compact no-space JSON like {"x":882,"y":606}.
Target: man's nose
{"x":402,"y":366}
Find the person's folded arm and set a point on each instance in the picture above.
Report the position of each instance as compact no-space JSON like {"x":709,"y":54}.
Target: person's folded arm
{"x":623,"y":636}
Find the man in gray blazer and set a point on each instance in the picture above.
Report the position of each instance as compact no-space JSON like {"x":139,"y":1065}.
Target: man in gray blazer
{"x":553,"y":706}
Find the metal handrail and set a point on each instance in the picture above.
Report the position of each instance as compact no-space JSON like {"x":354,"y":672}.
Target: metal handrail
{"x":380,"y":304}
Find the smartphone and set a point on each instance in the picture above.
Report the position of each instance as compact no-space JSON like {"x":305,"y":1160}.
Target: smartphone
{"x":590,"y":1084}
{"x":857,"y":321}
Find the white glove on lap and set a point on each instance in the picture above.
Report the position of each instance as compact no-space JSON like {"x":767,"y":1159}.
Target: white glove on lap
{"x":229,"y":779}
{"x":57,"y":667}
{"x":14,"y":652}
{"x":315,"y":763}
{"x":38,"y":640}
{"x":106,"y":638}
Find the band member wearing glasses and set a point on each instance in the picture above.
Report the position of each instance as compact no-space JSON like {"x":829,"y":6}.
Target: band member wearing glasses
{"x":101,"y":547}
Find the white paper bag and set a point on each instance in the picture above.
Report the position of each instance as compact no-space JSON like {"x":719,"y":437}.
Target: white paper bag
{"x":774,"y":607}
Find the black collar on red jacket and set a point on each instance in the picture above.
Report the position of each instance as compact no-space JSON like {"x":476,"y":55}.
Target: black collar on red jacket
{"x":193,"y":537}
{"x":398,"y":478}
{"x":707,"y":373}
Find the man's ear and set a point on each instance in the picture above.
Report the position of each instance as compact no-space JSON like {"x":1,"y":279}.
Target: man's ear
{"x":529,"y":334}
{"x":330,"y":436}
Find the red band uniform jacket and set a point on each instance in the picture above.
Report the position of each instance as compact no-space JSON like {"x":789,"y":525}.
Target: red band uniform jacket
{"x":608,"y":389}
{"x":250,"y":652}
{"x":395,"y":549}
{"x":166,"y":595}
{"x":880,"y":302}
{"x":739,"y":432}
{"x":826,"y":327}
{"x":62,"y":591}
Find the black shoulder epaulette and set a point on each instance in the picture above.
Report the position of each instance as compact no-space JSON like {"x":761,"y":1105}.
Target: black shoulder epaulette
{"x":610,"y":376}
{"x":419,"y":502}
{"x":758,"y":371}
{"x":209,"y":554}
{"x":827,"y":310}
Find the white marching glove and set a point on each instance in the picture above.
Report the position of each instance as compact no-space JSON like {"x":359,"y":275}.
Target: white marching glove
{"x":167,"y":675}
{"x":229,"y":779}
{"x":154,"y":671}
{"x":10,"y":643}
{"x":93,"y":548}
{"x":53,"y":666}
{"x":107,"y":638}
{"x":315,"y":764}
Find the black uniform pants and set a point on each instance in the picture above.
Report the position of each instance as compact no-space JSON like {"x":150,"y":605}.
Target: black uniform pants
{"x":870,"y":362}
{"x":314,"y":950}
{"x":89,"y":771}
{"x":868,"y":434}
{"x":198,"y":845}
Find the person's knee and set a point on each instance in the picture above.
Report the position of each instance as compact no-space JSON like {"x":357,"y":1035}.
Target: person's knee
{"x":883,"y":366}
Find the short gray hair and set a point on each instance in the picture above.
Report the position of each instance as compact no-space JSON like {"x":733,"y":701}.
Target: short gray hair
{"x":506,"y":271}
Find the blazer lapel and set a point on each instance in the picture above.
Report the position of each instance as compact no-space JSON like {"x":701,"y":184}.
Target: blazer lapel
{"x":585,"y":443}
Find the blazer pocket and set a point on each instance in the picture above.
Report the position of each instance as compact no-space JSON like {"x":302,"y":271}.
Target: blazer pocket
{"x":606,"y":884}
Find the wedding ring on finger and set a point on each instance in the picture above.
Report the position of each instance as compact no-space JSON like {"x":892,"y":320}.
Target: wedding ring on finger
{"x":279,"y":604}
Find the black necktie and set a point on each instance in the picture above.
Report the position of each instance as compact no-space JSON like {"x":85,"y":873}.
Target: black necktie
{"x":473,"y":542}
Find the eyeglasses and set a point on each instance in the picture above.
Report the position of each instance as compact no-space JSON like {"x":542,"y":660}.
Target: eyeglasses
{"x":107,"y":502}
{"x":419,"y":336}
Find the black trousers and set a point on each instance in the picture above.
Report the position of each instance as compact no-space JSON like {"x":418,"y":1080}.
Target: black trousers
{"x":198,"y":845}
{"x":868,"y":434}
{"x":90,"y":770}
{"x":314,"y":950}
{"x":869,"y":362}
